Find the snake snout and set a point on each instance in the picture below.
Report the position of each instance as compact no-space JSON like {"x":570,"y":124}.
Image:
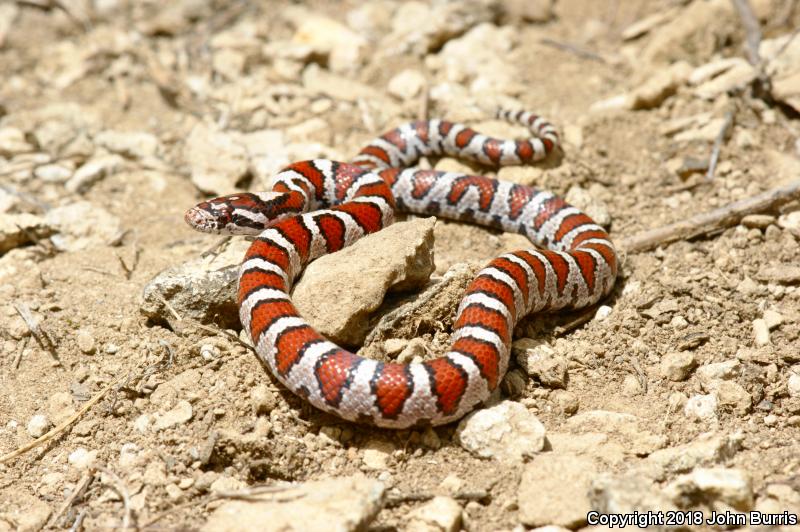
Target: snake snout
{"x":202,"y":220}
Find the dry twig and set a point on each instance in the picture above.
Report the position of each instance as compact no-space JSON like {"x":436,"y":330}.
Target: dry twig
{"x":37,"y":331}
{"x":723,"y":132}
{"x":712,"y":221}
{"x":118,"y":486}
{"x":752,"y":29}
{"x":78,"y":492}
{"x":567,"y":47}
{"x":63,"y":425}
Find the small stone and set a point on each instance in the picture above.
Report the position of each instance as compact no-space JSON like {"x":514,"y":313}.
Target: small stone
{"x":554,"y":490}
{"x":758,"y":221}
{"x":180,"y":414}
{"x":173,"y":491}
{"x":452,"y":483}
{"x":780,"y":273}
{"x":134,"y":144}
{"x":93,"y":171}
{"x":760,"y":332}
{"x":81,"y":225}
{"x":630,"y":431}
{"x":706,"y":450}
{"x":660,"y":86}
{"x":209,"y":352}
{"x":53,"y":173}
{"x":12,"y":142}
{"x":263,"y":399}
{"x":730,"y":486}
{"x":701,"y":407}
{"x":440,"y":514}
{"x":733,"y":394}
{"x":430,"y":439}
{"x":18,"y":229}
{"x":541,"y":362}
{"x":407,"y":84}
{"x":738,"y":76}
{"x":507,"y":432}
{"x":38,"y":425}
{"x":711,"y":374}
{"x":790,"y":222}
{"x":567,"y":401}
{"x":772,"y":319}
{"x":80,"y":458}
{"x":573,"y":135}
{"x":111,"y":349}
{"x":218,"y":159}
{"x":603,"y":312}
{"x":376,"y":454}
{"x":793,"y":385}
{"x":631,"y":386}
{"x":770,"y":420}
{"x":85,"y":342}
{"x":677,"y":366}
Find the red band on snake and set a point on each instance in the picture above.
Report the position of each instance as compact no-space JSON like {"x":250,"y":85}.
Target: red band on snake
{"x":320,"y":206}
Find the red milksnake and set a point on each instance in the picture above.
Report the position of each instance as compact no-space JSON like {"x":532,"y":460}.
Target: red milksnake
{"x":320,"y":206}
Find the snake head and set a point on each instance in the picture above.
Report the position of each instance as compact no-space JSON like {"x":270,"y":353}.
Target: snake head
{"x":240,"y":214}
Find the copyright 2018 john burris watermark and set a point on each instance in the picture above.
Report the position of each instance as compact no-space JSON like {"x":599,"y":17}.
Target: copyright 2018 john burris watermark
{"x":691,"y":518}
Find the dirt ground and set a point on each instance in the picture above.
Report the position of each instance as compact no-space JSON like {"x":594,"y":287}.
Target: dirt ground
{"x":191,"y":413}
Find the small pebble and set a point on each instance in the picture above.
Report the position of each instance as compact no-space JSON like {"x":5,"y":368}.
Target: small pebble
{"x":772,"y":318}
{"x":602,"y":313}
{"x":209,"y":352}
{"x":793,"y":385}
{"x":760,"y":331}
{"x":85,"y":341}
{"x":38,"y":425}
{"x":111,"y":349}
{"x":770,"y":420}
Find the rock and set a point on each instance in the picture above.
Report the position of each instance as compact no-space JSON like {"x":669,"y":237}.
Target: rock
{"x":318,"y":80}
{"x":736,"y":77}
{"x":17,"y":229}
{"x":567,"y":401}
{"x":730,"y":486}
{"x":758,"y":221}
{"x":218,"y":159}
{"x":772,"y":318}
{"x":714,"y":68}
{"x":54,"y":173}
{"x":12,"y":142}
{"x":344,"y":49}
{"x":677,"y":366}
{"x":603,"y":311}
{"x":626,"y":429}
{"x":554,"y":490}
{"x":627,"y":493}
{"x":8,"y":16}
{"x":27,"y":513}
{"x":734,"y":395}
{"x":793,"y":385}
{"x":701,"y":407}
{"x":541,"y":362}
{"x":660,"y":86}
{"x":60,"y":406}
{"x":93,"y":171}
{"x":377,"y":454}
{"x":180,"y":414}
{"x":202,"y":289}
{"x":779,"y":273}
{"x":706,"y":450}
{"x":407,"y":84}
{"x":507,"y":432}
{"x":85,"y":342}
{"x":311,"y":506}
{"x":418,"y":28}
{"x":80,"y":458}
{"x":760,"y":332}
{"x":475,"y":59}
{"x":263,"y":399}
{"x":338,"y":293}
{"x":711,"y":374}
{"x":81,"y":225}
{"x":38,"y":425}
{"x":790,"y":221}
{"x":782,"y":68}
{"x":778,"y":498}
{"x":439,"y":514}
{"x":132,"y":144}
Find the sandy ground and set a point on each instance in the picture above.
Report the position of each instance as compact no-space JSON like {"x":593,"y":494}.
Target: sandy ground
{"x":699,"y":339}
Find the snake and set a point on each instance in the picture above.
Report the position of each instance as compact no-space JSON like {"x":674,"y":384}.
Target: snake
{"x":320,"y":206}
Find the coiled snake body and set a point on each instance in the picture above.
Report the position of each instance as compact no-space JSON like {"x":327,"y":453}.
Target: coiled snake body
{"x":320,"y":206}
